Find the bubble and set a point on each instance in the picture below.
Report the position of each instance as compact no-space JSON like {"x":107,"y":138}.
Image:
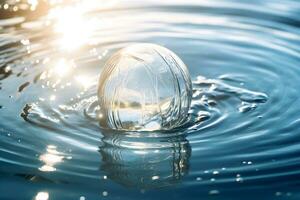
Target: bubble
{"x":144,"y":87}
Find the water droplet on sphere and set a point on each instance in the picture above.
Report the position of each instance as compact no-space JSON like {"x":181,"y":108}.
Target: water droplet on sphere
{"x":144,"y":87}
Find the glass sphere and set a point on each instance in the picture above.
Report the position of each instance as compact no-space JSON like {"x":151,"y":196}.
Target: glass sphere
{"x":144,"y":87}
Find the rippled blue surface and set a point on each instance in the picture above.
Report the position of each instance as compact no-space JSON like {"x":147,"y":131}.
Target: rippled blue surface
{"x":243,"y":140}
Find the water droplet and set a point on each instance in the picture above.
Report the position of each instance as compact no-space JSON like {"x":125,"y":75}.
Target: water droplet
{"x":239,"y":180}
{"x":104,"y":193}
{"x":144,"y":87}
{"x":215,"y":172}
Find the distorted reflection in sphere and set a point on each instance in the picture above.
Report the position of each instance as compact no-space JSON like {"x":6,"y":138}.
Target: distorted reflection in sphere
{"x":144,"y":87}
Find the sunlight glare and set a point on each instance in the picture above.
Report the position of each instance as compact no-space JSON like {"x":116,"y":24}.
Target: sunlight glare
{"x":62,"y":68}
{"x":50,"y":158}
{"x":42,"y":196}
{"x":85,"y":81}
{"x":74,"y":28}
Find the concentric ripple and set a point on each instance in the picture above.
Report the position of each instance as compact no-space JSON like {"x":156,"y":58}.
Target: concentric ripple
{"x":242,"y":139}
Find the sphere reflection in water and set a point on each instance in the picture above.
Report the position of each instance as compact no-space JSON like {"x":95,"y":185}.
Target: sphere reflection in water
{"x":146,"y":165}
{"x":144,"y":87}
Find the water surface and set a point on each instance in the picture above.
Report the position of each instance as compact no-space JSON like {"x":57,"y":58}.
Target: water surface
{"x":243,"y":139}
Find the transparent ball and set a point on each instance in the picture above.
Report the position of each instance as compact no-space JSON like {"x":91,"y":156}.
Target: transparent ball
{"x":144,"y":87}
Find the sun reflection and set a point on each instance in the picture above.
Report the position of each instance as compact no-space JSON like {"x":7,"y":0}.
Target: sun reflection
{"x":50,"y":158}
{"x":57,"y":74}
{"x":74,"y":28}
{"x":85,"y":81}
{"x":42,"y":196}
{"x":52,"y":97}
{"x":62,"y":68}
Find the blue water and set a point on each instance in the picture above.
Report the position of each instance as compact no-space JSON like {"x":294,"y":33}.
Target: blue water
{"x":243,"y":141}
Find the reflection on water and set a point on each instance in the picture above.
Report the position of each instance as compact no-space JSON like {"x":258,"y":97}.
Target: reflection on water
{"x":73,"y":27}
{"x":159,"y":163}
{"x":42,"y":196}
{"x":50,"y":159}
{"x":62,"y":68}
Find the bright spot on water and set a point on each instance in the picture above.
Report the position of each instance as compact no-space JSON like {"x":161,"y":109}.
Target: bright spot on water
{"x":50,"y":158}
{"x":25,"y":42}
{"x":248,"y":163}
{"x":239,"y":178}
{"x":215,"y":172}
{"x":144,"y":87}
{"x":62,"y":68}
{"x":52,"y":97}
{"x":278,"y":193}
{"x":155,"y":177}
{"x":104,"y":193}
{"x":82,"y":198}
{"x":42,"y":196}
{"x":212,"y":192}
{"x":84,"y":81}
{"x":73,"y":27}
